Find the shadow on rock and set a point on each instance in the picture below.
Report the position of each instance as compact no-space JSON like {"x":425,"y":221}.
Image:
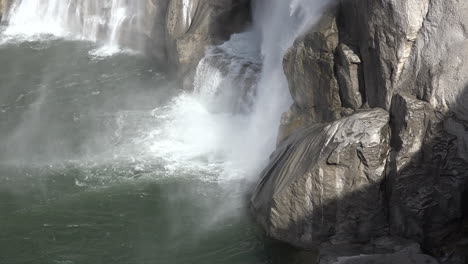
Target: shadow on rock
{"x":373,"y":183}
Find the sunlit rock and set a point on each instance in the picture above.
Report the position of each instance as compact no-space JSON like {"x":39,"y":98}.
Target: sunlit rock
{"x":323,"y":183}
{"x":309,"y":66}
{"x":349,"y":75}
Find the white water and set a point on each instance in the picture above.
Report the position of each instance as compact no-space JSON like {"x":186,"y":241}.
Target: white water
{"x":99,"y":21}
{"x":229,"y":124}
{"x":219,"y":122}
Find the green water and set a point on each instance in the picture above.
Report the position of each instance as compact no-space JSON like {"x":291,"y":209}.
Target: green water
{"x":46,"y":218}
{"x":77,"y":184}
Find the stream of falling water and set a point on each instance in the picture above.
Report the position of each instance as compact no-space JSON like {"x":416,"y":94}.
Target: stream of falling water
{"x":104,"y":160}
{"x":109,"y":22}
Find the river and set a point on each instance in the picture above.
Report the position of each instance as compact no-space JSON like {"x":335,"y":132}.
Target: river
{"x":91,"y":171}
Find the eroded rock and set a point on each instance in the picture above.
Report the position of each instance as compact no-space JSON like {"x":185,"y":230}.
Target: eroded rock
{"x":309,"y":67}
{"x":409,"y":58}
{"x":323,"y":182}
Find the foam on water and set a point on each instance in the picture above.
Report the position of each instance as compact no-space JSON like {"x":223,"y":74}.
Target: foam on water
{"x":105,"y":51}
{"x":241,"y":91}
{"x":227,"y":128}
{"x":193,"y":138}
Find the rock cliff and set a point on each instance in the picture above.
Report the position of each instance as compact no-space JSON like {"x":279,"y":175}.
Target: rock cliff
{"x":344,"y":173}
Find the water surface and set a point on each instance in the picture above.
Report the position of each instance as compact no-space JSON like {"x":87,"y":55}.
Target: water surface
{"x":90,"y":172}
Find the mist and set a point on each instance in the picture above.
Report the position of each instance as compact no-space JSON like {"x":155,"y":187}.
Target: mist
{"x":90,"y":120}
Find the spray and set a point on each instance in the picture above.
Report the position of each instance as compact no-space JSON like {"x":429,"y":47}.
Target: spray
{"x":245,"y":139}
{"x":106,"y":21}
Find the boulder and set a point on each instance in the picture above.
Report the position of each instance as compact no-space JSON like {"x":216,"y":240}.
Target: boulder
{"x":323,"y":183}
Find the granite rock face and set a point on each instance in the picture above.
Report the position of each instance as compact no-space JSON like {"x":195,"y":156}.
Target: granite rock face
{"x":409,"y":58}
{"x":323,"y":184}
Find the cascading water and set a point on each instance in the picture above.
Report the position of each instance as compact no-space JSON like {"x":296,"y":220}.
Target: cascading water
{"x":107,"y":21}
{"x":103,"y":160}
{"x":225,"y":75}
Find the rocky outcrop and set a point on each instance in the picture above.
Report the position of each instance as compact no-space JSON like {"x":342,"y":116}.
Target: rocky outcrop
{"x":427,"y":177}
{"x":323,"y":184}
{"x":309,"y":68}
{"x":193,"y":25}
{"x":409,"y":58}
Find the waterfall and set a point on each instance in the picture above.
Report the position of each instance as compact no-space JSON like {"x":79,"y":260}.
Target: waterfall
{"x":240,"y":88}
{"x":106,"y":21}
{"x":277,"y":23}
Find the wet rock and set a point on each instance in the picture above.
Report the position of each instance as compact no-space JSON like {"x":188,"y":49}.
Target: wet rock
{"x":291,"y":121}
{"x":409,"y":58}
{"x":225,"y":82}
{"x":154,"y":28}
{"x":193,"y":25}
{"x":323,"y":183}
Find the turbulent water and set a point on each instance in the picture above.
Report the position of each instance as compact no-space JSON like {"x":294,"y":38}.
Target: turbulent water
{"x":110,"y":22}
{"x":96,"y":167}
{"x":104,"y":160}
